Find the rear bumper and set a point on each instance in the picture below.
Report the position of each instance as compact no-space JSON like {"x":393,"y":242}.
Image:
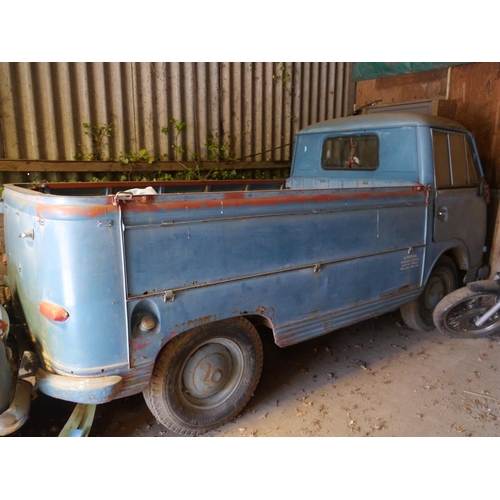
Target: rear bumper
{"x":94,"y":390}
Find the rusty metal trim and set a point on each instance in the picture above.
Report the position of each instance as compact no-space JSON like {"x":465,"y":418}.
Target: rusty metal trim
{"x":267,"y":215}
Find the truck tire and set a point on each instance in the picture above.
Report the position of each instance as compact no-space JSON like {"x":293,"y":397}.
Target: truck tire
{"x":205,"y":377}
{"x":455,"y":314}
{"x":417,"y":314}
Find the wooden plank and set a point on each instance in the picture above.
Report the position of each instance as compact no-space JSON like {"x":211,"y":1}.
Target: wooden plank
{"x":425,"y":86}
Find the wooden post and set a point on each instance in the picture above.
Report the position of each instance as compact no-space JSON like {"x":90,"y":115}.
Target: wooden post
{"x":495,"y":241}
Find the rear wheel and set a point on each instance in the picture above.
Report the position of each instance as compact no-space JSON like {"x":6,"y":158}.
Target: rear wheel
{"x":417,"y":314}
{"x":456,"y":314}
{"x":205,"y":377}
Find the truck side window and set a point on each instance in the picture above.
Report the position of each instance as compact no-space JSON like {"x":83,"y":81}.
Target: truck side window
{"x":458,"y":160}
{"x":453,"y":160}
{"x":472,"y":174}
{"x":441,"y":159}
{"x":355,"y":152}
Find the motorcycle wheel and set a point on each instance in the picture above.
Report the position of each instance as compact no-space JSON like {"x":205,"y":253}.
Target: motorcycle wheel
{"x":456,"y":313}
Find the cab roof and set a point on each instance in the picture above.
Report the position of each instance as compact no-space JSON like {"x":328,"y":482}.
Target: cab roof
{"x":382,"y":120}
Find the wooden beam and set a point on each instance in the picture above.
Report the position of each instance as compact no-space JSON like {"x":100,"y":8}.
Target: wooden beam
{"x":111,"y":166}
{"x":494,"y":214}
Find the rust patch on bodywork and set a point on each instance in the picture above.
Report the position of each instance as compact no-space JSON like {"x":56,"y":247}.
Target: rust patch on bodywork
{"x":172,"y":335}
{"x":89,"y":211}
{"x":399,"y":291}
{"x":426,"y":189}
{"x":145,"y":199}
{"x":241,"y":199}
{"x":139,"y":344}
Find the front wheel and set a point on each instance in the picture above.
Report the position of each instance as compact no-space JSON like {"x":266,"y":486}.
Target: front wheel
{"x":205,"y":377}
{"x":456,"y":314}
{"x":442,"y":281}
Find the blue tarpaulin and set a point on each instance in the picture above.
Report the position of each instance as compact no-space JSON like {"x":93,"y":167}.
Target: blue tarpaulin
{"x":372,"y":70}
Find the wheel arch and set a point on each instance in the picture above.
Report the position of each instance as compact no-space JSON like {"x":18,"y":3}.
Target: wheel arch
{"x":261,"y":323}
{"x":459,"y":256}
{"x":258,"y":320}
{"x":457,"y":253}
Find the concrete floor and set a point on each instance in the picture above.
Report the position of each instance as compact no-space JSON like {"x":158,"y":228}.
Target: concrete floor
{"x":377,"y":378}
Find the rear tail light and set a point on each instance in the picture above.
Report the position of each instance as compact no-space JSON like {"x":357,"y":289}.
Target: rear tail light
{"x":53,"y":312}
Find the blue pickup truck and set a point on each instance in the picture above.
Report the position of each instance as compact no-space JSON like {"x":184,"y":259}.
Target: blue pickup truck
{"x":161,"y":288}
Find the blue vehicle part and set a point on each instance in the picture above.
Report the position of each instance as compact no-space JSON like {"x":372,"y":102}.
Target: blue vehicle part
{"x":65,"y":268}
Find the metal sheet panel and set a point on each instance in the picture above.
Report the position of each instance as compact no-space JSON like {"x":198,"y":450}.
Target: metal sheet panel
{"x":234,"y":110}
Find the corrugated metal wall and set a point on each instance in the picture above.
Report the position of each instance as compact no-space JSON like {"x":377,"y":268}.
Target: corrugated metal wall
{"x":254,"y":109}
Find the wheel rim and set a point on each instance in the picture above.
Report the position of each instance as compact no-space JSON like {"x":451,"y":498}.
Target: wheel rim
{"x":211,"y":374}
{"x":461,"y":318}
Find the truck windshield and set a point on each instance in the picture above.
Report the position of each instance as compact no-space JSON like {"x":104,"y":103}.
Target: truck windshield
{"x":356,"y":152}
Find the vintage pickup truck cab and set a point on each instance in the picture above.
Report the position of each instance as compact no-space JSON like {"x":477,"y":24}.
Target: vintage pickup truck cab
{"x":161,"y":290}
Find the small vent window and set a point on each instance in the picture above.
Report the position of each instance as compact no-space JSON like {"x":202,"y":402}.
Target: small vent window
{"x":351,"y":152}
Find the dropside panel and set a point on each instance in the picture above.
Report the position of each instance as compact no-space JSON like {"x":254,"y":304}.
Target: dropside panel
{"x":192,"y":246}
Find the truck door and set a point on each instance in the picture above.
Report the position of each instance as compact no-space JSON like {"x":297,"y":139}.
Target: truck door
{"x":459,"y":206}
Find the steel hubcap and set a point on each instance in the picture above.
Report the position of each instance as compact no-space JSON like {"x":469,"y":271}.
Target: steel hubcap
{"x":212,"y":373}
{"x":207,"y":371}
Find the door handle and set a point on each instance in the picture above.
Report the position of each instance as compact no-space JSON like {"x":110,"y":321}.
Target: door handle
{"x":442,"y":214}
